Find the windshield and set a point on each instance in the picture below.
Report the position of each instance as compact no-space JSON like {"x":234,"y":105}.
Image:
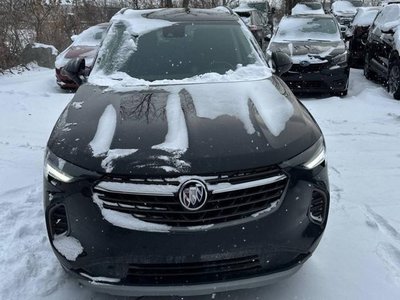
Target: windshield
{"x":313,"y":5}
{"x":179,"y":51}
{"x":307,"y":28}
{"x":259,"y":6}
{"x":91,"y":36}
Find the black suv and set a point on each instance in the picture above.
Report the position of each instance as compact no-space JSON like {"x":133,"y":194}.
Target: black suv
{"x":184,"y":166}
{"x":318,"y":52}
{"x":382,"y":59}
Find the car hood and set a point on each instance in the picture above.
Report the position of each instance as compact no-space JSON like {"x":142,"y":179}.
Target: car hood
{"x":313,"y":51}
{"x":183,"y":129}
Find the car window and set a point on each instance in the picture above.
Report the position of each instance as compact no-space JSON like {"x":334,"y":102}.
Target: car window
{"x":180,"y":51}
{"x":389,"y":13}
{"x":307,"y":28}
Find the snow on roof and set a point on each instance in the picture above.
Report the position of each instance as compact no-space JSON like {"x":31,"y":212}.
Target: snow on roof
{"x":304,"y":9}
{"x":344,"y":7}
{"x":137,"y":23}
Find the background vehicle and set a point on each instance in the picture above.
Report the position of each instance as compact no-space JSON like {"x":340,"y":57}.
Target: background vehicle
{"x":261,"y":5}
{"x":155,"y":188}
{"x":85,"y":45}
{"x":256,"y":23}
{"x":319,"y":55}
{"x":357,"y":34}
{"x":344,"y":11}
{"x":305,"y":8}
{"x":382,"y":49}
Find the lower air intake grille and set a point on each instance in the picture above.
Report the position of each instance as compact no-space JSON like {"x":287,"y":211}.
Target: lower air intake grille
{"x":58,"y":220}
{"x":197,"y":272}
{"x":318,"y":207}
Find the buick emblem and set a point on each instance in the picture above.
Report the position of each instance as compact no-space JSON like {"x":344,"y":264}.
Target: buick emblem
{"x":305,"y":63}
{"x":193,"y":194}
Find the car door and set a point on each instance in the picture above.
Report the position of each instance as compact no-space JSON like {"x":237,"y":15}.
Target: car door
{"x":381,"y":42}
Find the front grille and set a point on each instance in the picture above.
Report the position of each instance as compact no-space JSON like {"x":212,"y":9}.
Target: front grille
{"x":312,"y":68}
{"x":219,"y":208}
{"x":196,"y":272}
{"x":318,"y":207}
{"x":58,"y":220}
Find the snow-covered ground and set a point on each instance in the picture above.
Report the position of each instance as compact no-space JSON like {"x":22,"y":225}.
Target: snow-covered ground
{"x":359,"y":255}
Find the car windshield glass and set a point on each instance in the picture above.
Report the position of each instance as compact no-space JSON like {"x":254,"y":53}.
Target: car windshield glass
{"x":313,"y":6}
{"x":357,"y":3}
{"x":258,"y":6}
{"x":307,"y":28}
{"x":91,"y":36}
{"x":180,"y":51}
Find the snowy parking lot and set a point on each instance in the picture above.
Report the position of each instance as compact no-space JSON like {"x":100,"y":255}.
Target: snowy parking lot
{"x":358,"y":257}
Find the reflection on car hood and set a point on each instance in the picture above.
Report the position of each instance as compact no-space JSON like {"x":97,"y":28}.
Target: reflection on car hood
{"x":184,"y":129}
{"x":314,"y":51}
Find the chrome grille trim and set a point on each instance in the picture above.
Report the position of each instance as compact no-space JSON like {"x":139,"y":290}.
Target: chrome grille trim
{"x":169,"y":190}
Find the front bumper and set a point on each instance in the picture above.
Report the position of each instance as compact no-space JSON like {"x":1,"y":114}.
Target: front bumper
{"x":317,"y":79}
{"x":121,"y":261}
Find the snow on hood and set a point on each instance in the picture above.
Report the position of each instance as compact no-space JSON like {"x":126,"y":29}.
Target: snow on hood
{"x":313,"y":52}
{"x":303,"y":9}
{"x":343,"y":8}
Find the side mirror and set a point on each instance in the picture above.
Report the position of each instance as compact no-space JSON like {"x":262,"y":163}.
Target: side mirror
{"x":281,"y":62}
{"x":74,"y":69}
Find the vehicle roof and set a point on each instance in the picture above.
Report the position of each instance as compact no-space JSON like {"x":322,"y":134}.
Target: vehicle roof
{"x":319,"y":16}
{"x":190,"y":15}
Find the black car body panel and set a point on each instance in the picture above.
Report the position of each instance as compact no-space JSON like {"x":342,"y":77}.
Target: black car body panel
{"x":129,"y":220}
{"x":141,"y":124}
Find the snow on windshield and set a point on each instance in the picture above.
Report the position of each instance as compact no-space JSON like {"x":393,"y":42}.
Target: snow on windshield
{"x":307,"y":28}
{"x":159,"y":51}
{"x":304,"y":9}
{"x":365,"y":16}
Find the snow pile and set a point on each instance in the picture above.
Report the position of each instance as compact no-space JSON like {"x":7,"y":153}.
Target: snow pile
{"x":68,"y":246}
{"x":176,"y":139}
{"x":113,"y":154}
{"x":105,"y":132}
{"x":54,"y":51}
{"x":304,"y":9}
{"x":121,"y":81}
{"x":127,"y":221}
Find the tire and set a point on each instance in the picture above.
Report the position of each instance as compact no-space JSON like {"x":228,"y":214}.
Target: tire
{"x":393,"y":82}
{"x":367,"y":71}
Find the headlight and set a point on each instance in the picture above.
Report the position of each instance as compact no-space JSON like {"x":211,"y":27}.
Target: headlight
{"x":317,"y":158}
{"x":310,"y":158}
{"x":53,"y":167}
{"x":340,"y":59}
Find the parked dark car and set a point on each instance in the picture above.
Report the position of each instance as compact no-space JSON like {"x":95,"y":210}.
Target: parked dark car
{"x":261,"y":5}
{"x":184,"y":166}
{"x":256,"y":23}
{"x":85,"y":45}
{"x":319,"y":54}
{"x":357,"y":34}
{"x":344,"y":11}
{"x":382,"y":49}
